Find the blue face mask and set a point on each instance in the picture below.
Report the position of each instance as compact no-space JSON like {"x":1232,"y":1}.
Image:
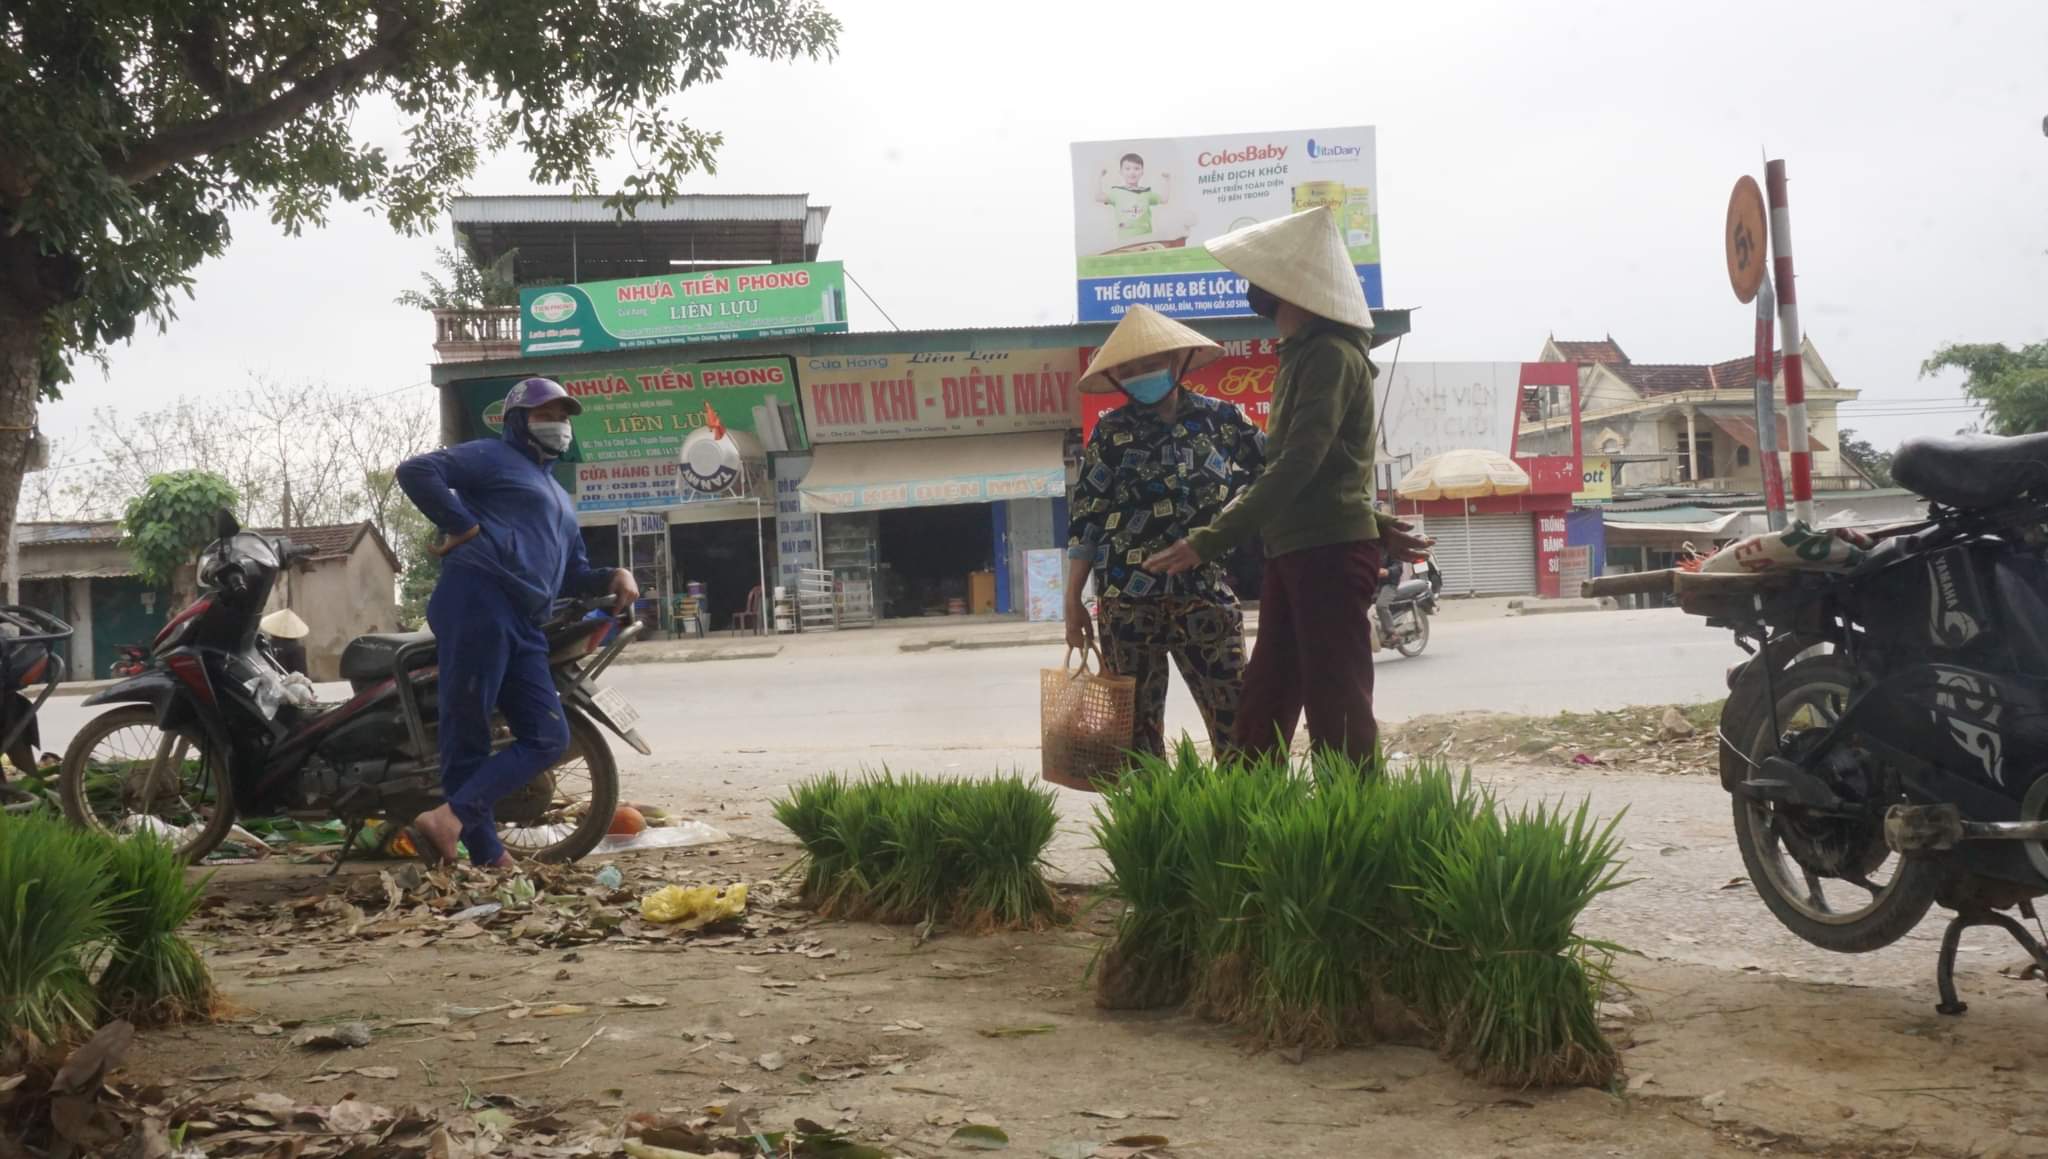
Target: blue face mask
{"x":1149,"y":388}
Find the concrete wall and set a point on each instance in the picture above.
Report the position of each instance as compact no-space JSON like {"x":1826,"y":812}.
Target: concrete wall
{"x":340,"y":599}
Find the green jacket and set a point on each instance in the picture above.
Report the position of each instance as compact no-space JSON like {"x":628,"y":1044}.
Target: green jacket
{"x":1317,"y":488}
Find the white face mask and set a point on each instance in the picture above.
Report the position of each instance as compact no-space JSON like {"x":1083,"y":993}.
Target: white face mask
{"x":555,"y":437}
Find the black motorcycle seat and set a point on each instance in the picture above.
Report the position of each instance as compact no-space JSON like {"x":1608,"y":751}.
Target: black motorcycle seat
{"x":1973,"y":470}
{"x":1413,"y":589}
{"x":370,"y":657}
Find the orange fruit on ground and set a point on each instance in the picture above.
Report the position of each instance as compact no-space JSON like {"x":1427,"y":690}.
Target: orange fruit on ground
{"x":627,"y":822}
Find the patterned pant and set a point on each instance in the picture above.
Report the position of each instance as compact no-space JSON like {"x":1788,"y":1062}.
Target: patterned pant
{"x":1206,"y":641}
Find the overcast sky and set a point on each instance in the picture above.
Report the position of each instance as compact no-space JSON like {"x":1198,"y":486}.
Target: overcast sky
{"x":1543,"y":167}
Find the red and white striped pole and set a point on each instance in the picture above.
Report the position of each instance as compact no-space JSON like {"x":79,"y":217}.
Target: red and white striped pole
{"x":1767,"y":410}
{"x":1788,"y":328}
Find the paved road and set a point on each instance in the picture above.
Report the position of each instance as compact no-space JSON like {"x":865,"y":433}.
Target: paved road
{"x":810,"y":713}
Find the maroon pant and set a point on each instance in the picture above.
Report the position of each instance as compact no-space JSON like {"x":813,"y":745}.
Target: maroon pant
{"x":1314,"y":652}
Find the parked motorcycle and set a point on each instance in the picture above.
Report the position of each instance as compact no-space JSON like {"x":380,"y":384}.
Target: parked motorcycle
{"x":212,"y":729}
{"x":1413,"y":603}
{"x":1886,"y":748}
{"x":28,"y":656}
{"x":129,"y":660}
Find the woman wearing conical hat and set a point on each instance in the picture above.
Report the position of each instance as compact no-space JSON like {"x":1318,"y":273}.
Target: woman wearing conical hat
{"x":1166,"y":461}
{"x":1325,"y":545}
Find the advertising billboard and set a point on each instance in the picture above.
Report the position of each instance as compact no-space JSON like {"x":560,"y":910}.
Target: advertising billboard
{"x":720,"y":306}
{"x":1143,"y":208}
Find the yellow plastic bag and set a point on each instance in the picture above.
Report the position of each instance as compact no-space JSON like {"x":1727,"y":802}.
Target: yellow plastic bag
{"x":697,"y":905}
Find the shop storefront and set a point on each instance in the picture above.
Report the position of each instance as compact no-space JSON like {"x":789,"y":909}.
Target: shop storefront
{"x":934,"y":473}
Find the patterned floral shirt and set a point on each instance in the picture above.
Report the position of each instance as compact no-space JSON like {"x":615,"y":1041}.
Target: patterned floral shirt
{"x":1146,"y":481}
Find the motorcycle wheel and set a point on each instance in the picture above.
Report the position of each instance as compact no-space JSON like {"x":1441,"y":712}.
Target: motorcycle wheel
{"x":581,"y":795}
{"x":116,"y":779}
{"x":1811,"y":695}
{"x":1413,"y":647}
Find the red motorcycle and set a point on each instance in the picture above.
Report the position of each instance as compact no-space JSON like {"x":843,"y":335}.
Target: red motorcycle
{"x":222,"y":732}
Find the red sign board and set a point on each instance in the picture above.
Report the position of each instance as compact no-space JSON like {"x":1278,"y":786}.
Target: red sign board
{"x":1243,"y":376}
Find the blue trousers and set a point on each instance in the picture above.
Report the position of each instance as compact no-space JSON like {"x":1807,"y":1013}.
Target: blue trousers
{"x":491,"y":657}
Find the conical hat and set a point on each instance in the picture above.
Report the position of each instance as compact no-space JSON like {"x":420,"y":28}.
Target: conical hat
{"x":285,"y":624}
{"x":1142,"y":333}
{"x":1299,"y":259}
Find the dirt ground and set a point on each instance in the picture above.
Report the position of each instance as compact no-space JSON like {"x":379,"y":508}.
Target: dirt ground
{"x":860,"y":1025}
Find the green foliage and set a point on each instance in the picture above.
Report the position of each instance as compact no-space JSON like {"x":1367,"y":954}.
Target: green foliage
{"x":917,"y":849}
{"x":152,"y":975}
{"x":1348,"y":903}
{"x":2012,"y":384}
{"x":53,"y":907}
{"x":1876,"y":465}
{"x":130,"y":130}
{"x":412,"y":537}
{"x":172,"y":519}
{"x":469,"y":285}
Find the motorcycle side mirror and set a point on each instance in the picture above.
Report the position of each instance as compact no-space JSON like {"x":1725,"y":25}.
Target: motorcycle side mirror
{"x":225,"y":525}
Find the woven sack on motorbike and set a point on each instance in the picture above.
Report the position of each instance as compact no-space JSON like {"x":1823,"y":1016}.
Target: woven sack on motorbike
{"x":1794,"y":548}
{"x":1085,"y":721}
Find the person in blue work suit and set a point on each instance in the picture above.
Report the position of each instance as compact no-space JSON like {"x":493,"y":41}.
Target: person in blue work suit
{"x":511,"y":548}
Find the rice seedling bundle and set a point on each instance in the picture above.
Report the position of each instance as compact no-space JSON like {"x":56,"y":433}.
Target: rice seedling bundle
{"x":903,"y":849}
{"x":151,"y":974}
{"x":53,"y":914}
{"x":1508,"y":896}
{"x":1219,"y":812}
{"x":1313,"y":909}
{"x":997,"y":832}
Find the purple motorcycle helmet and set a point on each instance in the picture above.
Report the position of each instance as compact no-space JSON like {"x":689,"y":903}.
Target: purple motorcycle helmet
{"x":525,"y":395}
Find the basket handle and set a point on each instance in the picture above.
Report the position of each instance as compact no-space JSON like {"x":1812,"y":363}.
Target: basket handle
{"x":1086,"y":650}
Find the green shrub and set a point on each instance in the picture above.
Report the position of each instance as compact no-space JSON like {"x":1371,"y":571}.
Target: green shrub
{"x":901,"y":849}
{"x":53,"y":917}
{"x":151,"y":974}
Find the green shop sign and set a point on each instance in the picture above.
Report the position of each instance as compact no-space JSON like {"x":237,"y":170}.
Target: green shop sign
{"x":721,"y":306}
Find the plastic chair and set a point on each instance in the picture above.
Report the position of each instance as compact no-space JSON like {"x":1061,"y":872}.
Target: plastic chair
{"x":750,"y":620}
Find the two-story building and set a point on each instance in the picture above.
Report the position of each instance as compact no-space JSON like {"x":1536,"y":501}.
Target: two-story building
{"x":1682,"y":423}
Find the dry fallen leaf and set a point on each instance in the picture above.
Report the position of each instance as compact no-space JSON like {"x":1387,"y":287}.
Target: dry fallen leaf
{"x":640,"y":1001}
{"x":565,"y":1010}
{"x":378,"y":1072}
{"x":771,"y":1061}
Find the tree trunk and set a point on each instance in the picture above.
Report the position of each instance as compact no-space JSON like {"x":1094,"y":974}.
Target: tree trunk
{"x":21,"y":364}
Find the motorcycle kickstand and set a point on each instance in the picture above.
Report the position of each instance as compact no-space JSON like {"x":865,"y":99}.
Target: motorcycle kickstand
{"x":348,"y":842}
{"x":1951,"y":940}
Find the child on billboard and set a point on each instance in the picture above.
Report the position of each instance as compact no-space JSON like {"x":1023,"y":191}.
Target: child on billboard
{"x":1131,"y":203}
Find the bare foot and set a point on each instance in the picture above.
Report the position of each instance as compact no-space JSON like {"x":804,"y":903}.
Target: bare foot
{"x":440,"y":829}
{"x":504,"y":861}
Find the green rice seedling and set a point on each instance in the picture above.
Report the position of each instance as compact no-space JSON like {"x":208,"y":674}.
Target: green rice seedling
{"x":1218,"y":806}
{"x":924,"y":868}
{"x":858,"y":823}
{"x":806,"y":813}
{"x":1508,"y":895}
{"x":997,"y":832}
{"x":1138,"y":828}
{"x":53,"y":915}
{"x":1322,"y":881}
{"x":151,"y":975}
{"x":1426,"y":811}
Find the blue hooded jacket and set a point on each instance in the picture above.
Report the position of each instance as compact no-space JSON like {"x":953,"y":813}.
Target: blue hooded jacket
{"x":529,"y":543}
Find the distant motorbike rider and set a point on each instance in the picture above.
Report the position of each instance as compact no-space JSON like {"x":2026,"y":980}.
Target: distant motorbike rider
{"x":511,"y":548}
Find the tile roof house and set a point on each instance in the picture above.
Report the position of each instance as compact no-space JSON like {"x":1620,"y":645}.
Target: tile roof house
{"x":1681,"y":422}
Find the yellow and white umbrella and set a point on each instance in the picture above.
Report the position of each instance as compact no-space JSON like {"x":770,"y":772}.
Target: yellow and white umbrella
{"x":1463,"y":475}
{"x":1467,"y":475}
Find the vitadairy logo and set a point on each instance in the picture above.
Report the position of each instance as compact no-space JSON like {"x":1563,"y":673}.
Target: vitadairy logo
{"x":1331,"y":151}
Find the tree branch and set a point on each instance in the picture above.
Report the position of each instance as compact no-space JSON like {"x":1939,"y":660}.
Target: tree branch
{"x":181,"y":143}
